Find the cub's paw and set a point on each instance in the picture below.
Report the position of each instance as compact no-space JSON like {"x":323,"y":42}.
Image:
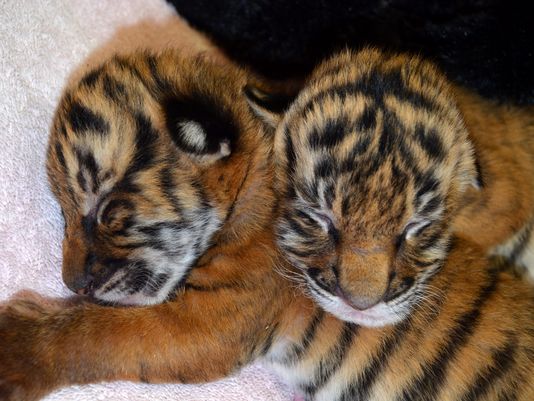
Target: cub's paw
{"x":23,"y":363}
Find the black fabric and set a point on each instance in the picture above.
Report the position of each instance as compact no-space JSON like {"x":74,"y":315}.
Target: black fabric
{"x":487,"y":45}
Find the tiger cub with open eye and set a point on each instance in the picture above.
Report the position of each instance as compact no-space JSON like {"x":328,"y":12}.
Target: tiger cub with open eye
{"x":380,"y":161}
{"x":166,"y":183}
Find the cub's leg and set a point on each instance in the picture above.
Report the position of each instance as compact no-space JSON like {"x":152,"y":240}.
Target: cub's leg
{"x":199,"y":337}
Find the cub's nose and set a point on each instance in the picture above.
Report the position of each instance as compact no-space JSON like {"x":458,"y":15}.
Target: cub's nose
{"x":78,"y":271}
{"x":82,"y":285}
{"x":360,"y":302}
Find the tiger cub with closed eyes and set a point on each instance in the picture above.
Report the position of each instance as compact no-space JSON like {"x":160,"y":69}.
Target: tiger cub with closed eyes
{"x":380,"y":161}
{"x":165,"y":180}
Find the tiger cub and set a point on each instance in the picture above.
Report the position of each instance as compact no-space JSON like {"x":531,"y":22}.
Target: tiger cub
{"x":380,"y":161}
{"x":146,"y":149}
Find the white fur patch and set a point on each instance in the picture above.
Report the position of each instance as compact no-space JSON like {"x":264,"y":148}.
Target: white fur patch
{"x":193,"y":134}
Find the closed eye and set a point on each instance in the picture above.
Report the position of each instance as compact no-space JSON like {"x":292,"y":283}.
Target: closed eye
{"x":114,"y":213}
{"x":411,"y":230}
{"x":414,"y":228}
{"x":326,"y":223}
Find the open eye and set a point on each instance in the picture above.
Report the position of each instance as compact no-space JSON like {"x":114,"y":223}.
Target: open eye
{"x":414,"y":228}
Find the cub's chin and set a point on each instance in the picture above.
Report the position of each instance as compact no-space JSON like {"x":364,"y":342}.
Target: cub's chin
{"x":379,"y":315}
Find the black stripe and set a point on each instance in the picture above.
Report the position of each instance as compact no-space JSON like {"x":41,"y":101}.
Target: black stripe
{"x":299,"y":252}
{"x":398,"y":288}
{"x":325,"y":167}
{"x":168,"y":187}
{"x":267,"y":344}
{"x":290,"y":153}
{"x":376,"y":85}
{"x":431,"y":206}
{"x":297,"y":351}
{"x":62,"y":131}
{"x":430,"y":141}
{"x":360,"y":388}
{"x":524,"y":241}
{"x":124,"y":63}
{"x":392,"y":133}
{"x":329,"y":193}
{"x":81,"y":181}
{"x":163,"y":85}
{"x":350,"y":163}
{"x":60,"y":156}
{"x":90,"y":78}
{"x":503,"y":360}
{"x":332,"y":361}
{"x":114,"y":90}
{"x":426,"y":184}
{"x":301,"y":214}
{"x":425,"y":263}
{"x":331,"y":134}
{"x":426,"y":387}
{"x":294,"y":225}
{"x":399,"y":179}
{"x":145,"y":146}
{"x":404,"y":153}
{"x":87,"y":161}
{"x":367,"y":120}
{"x":114,"y":205}
{"x":391,"y":82}
{"x":153,"y":230}
{"x":428,"y":239}
{"x":345,"y":204}
{"x":83,"y":119}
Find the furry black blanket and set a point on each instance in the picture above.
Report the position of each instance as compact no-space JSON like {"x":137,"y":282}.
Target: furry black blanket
{"x":487,"y":45}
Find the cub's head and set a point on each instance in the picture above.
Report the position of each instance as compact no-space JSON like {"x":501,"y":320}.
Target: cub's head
{"x":149,"y":156}
{"x":373,"y":158}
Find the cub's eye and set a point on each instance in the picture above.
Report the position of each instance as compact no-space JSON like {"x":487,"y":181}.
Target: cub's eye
{"x":324,"y":221}
{"x":411,"y":230}
{"x":414,"y":228}
{"x":114,"y":213}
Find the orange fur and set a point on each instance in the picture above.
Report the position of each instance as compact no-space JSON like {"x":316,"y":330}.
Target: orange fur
{"x":235,"y":306}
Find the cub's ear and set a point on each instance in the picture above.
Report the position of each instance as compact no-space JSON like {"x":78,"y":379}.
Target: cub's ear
{"x":270,"y":107}
{"x":200,"y":127}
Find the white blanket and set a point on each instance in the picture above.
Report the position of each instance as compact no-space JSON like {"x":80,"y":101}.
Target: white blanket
{"x":42,"y":44}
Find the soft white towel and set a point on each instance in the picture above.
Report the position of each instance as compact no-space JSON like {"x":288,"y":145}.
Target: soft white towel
{"x":42,"y":44}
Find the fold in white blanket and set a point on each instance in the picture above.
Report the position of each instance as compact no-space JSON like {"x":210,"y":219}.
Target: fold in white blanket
{"x":42,"y":44}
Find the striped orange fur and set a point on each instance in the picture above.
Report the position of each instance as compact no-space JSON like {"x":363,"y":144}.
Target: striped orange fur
{"x":144,"y":147}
